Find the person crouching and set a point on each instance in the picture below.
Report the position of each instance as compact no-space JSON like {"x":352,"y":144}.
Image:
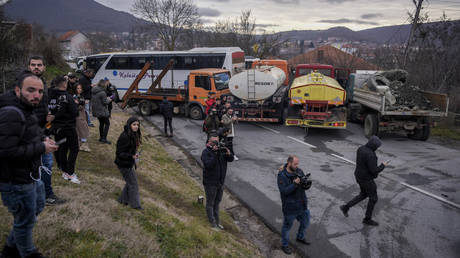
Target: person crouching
{"x":126,"y":157}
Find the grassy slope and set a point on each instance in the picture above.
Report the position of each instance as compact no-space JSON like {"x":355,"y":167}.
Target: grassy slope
{"x":93,"y":224}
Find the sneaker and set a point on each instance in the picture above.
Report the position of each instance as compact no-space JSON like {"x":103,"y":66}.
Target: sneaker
{"x":235,"y":158}
{"x":105,"y":141}
{"x":220,"y":226}
{"x":215,"y":227}
{"x":74,"y":179}
{"x":65,"y":176}
{"x":370,"y":222}
{"x":303,"y":241}
{"x":344,"y":210}
{"x":287,"y":250}
{"x":53,"y":200}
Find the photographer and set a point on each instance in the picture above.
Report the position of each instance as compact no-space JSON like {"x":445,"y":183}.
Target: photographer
{"x":214,"y":158}
{"x":365,"y":173}
{"x":292,"y":184}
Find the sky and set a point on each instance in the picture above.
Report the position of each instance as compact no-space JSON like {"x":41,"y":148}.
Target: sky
{"x":285,"y":15}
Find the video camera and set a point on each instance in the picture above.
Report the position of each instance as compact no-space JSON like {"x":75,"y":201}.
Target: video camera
{"x":221,"y":146}
{"x":305,"y":181}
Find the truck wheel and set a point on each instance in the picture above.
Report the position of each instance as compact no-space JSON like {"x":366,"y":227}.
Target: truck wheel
{"x":371,"y":125}
{"x":423,"y":133}
{"x":145,"y":108}
{"x":196,"y":113}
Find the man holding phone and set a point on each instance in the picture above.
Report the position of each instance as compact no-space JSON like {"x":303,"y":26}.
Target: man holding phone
{"x":365,"y":173}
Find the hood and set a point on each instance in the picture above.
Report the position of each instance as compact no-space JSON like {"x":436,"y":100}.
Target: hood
{"x":374,"y":143}
{"x":10,"y":99}
{"x":97,"y":89}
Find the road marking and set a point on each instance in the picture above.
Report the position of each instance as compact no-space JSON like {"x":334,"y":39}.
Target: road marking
{"x":299,"y":141}
{"x":267,"y":128}
{"x":410,"y":186}
{"x":432,"y":195}
{"x":342,"y":158}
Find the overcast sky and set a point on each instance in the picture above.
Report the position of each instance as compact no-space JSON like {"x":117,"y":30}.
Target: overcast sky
{"x":283,"y":15}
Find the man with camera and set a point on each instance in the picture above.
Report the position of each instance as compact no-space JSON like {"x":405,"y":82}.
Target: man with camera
{"x":292,"y":183}
{"x":214,"y":158}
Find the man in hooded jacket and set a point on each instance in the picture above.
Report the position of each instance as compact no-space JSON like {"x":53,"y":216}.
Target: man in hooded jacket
{"x":166,"y":109}
{"x":365,"y":173}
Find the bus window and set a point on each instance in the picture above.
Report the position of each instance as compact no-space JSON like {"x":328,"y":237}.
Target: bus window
{"x":221,"y":80}
{"x":212,"y":61}
{"x":118,"y":63}
{"x":202,"y":82}
{"x":95,"y":62}
{"x":160,"y":62}
{"x":138,"y":62}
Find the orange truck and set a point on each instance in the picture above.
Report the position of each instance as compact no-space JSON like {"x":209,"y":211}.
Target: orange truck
{"x":188,"y":99}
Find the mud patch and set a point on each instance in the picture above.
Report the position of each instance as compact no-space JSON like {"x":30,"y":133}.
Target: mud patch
{"x":326,"y":168}
{"x":416,"y":179}
{"x":276,"y":149}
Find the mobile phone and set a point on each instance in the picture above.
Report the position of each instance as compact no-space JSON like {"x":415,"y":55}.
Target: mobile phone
{"x":61,"y":141}
{"x":388,"y":161}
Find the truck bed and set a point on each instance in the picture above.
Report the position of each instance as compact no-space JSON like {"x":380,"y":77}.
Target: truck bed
{"x":376,"y":101}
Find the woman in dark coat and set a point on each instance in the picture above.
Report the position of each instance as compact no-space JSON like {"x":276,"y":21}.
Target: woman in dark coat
{"x":126,"y":158}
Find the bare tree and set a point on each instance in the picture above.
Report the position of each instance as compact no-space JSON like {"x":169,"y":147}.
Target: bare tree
{"x":169,"y":17}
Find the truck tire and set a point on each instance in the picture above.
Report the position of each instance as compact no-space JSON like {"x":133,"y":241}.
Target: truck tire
{"x":423,"y":133}
{"x":145,"y":108}
{"x":196,"y":113}
{"x":371,"y":125}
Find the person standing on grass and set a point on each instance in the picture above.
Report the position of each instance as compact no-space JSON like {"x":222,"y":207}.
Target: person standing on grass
{"x":166,"y":109}
{"x":99,"y":104}
{"x":82,"y":125}
{"x":127,"y":155}
{"x":87,"y":86}
{"x":21,"y":148}
{"x":65,"y":110}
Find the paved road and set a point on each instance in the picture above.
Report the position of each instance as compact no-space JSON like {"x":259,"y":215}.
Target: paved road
{"x":412,"y":224}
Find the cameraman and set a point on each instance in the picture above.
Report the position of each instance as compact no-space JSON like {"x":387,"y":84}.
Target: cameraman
{"x":214,"y":159}
{"x":294,"y":202}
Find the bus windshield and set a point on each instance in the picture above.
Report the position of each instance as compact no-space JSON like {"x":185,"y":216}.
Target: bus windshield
{"x":221,"y":80}
{"x":95,"y":62}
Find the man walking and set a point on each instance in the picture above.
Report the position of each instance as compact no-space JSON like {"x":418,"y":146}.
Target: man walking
{"x":365,"y":173}
{"x":20,"y":152}
{"x":294,"y":202}
{"x":214,"y":171}
{"x":166,"y":109}
{"x":85,"y":82}
{"x":65,"y":111}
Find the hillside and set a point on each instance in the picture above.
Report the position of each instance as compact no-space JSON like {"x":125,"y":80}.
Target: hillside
{"x":64,"y":15}
{"x":93,"y":224}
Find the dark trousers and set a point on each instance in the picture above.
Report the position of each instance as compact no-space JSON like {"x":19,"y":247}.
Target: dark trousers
{"x":104,"y":125}
{"x":368,"y":189}
{"x":130,"y":193}
{"x":213,"y":198}
{"x":304,"y":221}
{"x":66,"y":155}
{"x":230,"y":144}
{"x":47,"y":161}
{"x":168,"y":120}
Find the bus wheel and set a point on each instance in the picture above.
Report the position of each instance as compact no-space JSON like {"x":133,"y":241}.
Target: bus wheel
{"x":196,"y":113}
{"x":371,"y":125}
{"x":145,"y":108}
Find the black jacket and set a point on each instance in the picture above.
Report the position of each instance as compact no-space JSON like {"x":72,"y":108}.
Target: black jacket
{"x":293,"y":197}
{"x":214,"y":166}
{"x":126,"y":148}
{"x":86,"y":87}
{"x":366,"y":161}
{"x":20,"y":158}
{"x":166,"y":108}
{"x":62,"y":105}
{"x":42,"y":110}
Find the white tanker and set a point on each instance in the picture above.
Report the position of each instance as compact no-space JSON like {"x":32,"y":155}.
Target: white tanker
{"x":258,"y":94}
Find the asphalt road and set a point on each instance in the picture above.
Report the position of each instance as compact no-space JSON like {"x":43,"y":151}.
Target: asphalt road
{"x":418,"y":192}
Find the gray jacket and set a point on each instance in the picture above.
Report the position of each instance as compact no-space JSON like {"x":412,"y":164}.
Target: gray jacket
{"x":99,"y":102}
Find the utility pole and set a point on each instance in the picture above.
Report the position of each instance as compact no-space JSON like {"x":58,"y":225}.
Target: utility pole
{"x":413,"y":29}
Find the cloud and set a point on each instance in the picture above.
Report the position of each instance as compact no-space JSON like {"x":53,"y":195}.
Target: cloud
{"x":266,"y":25}
{"x":206,"y":21}
{"x":286,"y":1}
{"x":338,"y":1}
{"x":208,"y":12}
{"x":369,"y":16}
{"x":344,"y":20}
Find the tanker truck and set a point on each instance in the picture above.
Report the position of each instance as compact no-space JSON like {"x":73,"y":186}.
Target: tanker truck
{"x":258,"y":94}
{"x":316,"y":100}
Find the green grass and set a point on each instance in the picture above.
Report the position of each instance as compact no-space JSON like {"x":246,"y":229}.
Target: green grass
{"x":446,"y":132}
{"x":52,"y":71}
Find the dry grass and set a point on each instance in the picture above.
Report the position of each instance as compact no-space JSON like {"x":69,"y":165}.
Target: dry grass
{"x":93,"y":224}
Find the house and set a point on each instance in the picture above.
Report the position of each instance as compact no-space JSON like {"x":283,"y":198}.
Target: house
{"x":73,"y":44}
{"x":330,"y":55}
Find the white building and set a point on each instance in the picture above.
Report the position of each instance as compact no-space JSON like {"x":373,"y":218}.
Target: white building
{"x":73,"y":44}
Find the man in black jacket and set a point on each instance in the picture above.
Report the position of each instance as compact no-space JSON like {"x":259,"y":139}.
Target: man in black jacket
{"x":20,"y":153}
{"x":86,"y":84}
{"x":65,"y":111}
{"x":365,"y":173}
{"x":166,"y":109}
{"x":214,"y":171}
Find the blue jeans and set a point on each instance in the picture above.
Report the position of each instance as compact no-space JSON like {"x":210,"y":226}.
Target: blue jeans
{"x":88,"y":119}
{"x":47,"y":161}
{"x":304,"y":220}
{"x":25,"y":202}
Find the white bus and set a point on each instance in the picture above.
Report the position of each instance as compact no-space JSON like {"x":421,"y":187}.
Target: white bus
{"x":121,"y":68}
